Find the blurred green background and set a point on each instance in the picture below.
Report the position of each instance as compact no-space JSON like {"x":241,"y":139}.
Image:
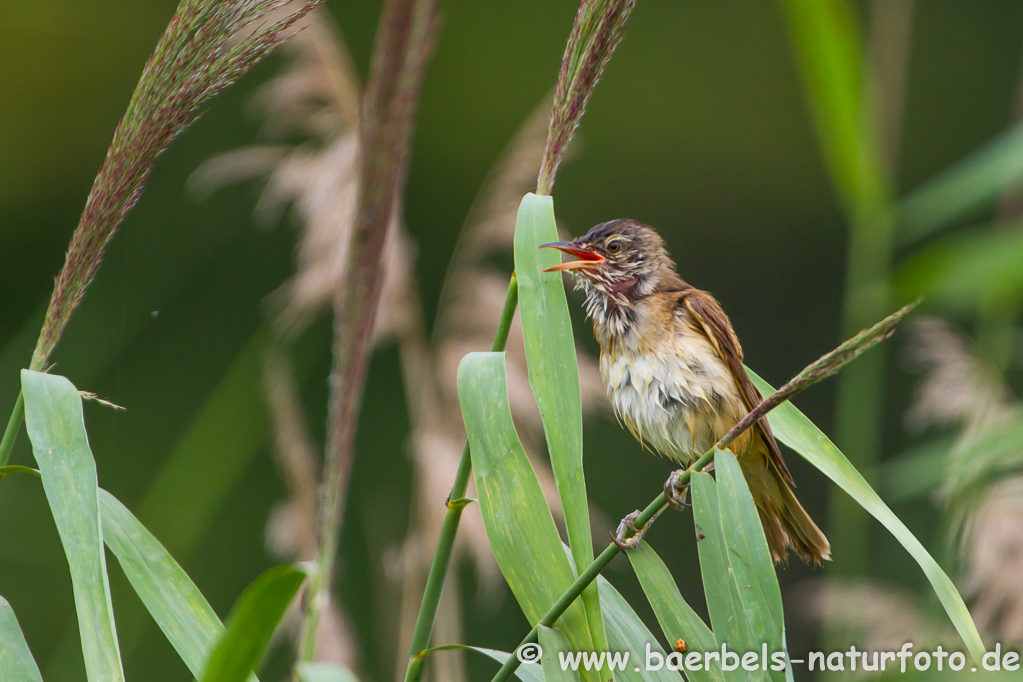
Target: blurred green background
{"x":700,"y":128}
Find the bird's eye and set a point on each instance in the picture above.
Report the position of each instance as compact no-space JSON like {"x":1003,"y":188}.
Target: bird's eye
{"x":614,"y":246}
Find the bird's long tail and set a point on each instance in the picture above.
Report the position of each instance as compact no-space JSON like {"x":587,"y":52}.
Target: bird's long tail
{"x":786,"y":523}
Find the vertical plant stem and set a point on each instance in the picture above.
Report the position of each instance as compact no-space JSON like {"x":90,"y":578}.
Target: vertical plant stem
{"x":855,"y":99}
{"x":13,"y":428}
{"x":403,"y":44}
{"x":860,"y":416}
{"x":452,"y":517}
{"x":860,"y":404}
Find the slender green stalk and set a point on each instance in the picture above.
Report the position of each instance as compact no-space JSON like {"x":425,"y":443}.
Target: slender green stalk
{"x":449,"y":528}
{"x":826,"y":366}
{"x":13,"y":428}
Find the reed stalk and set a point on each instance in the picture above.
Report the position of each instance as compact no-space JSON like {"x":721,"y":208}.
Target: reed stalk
{"x":403,"y":45}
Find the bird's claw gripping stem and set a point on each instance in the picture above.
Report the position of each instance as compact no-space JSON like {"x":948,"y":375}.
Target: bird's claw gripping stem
{"x":676,"y":492}
{"x":625,"y":543}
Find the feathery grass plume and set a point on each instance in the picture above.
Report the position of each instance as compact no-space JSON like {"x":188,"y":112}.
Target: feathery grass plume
{"x":983,"y":492}
{"x":207,"y":46}
{"x":403,"y":45}
{"x":316,"y":95}
{"x":957,"y":388}
{"x":991,"y":551}
{"x":599,"y":27}
{"x":961,"y":390}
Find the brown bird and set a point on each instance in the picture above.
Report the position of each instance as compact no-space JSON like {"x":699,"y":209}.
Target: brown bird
{"x":672,"y":366}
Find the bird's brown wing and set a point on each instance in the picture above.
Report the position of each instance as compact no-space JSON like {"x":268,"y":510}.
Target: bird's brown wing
{"x":706,"y":312}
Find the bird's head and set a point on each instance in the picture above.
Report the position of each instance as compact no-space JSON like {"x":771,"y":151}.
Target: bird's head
{"x":621,"y":259}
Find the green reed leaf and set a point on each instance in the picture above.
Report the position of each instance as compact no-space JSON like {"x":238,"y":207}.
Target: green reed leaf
{"x":56,"y":428}
{"x":177,"y":606}
{"x":966,"y":270}
{"x":251,"y":623}
{"x":977,"y":181}
{"x":626,"y":632}
{"x":526,"y":672}
{"x":554,"y":378}
{"x":792,"y":427}
{"x":16,"y":661}
{"x":555,"y":644}
{"x":676,"y":618}
{"x":749,"y":558}
{"x":829,"y":53}
{"x":515,"y":514}
{"x":728,"y":616}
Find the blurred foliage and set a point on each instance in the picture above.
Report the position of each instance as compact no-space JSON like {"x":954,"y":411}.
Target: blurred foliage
{"x":699,"y":128}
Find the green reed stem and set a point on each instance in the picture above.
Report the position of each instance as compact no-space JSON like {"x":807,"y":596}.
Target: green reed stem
{"x":13,"y":428}
{"x":449,"y":528}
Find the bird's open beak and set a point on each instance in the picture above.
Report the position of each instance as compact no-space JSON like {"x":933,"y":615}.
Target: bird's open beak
{"x":587,"y":258}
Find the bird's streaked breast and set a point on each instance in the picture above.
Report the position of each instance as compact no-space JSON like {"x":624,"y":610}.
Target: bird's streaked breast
{"x":669,"y":387}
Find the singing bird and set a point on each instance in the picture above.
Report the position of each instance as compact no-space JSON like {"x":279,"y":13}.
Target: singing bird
{"x":672,"y":366}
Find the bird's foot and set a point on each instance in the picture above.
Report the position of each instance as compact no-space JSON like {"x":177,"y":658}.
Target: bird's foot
{"x":621,"y":538}
{"x":676,"y":492}
{"x":627,"y":536}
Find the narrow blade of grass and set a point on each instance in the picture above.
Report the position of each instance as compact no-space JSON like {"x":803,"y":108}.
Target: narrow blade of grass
{"x":56,"y":427}
{"x":527,"y":672}
{"x":676,"y":618}
{"x":515,"y":514}
{"x":554,"y":377}
{"x":626,"y":632}
{"x":792,"y":427}
{"x":980,"y":179}
{"x":749,"y":558}
{"x":16,"y":661}
{"x":252,"y":621}
{"x":728,"y":617}
{"x":555,"y":645}
{"x":170,"y":596}
{"x":965,"y":271}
